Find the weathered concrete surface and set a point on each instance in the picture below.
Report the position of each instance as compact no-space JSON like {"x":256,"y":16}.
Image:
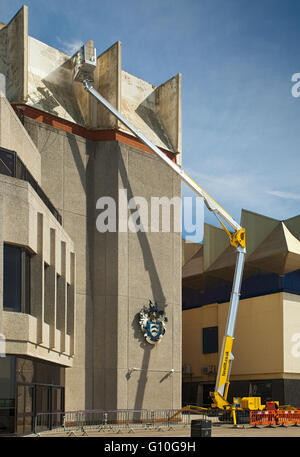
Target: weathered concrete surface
{"x":108,"y":83}
{"x":138,"y":106}
{"x":168,"y":101}
{"x":14,"y":137}
{"x":116,"y":273}
{"x":51,"y":84}
{"x":26,"y":221}
{"x":42,"y":76}
{"x":129,"y":269}
{"x":14,"y":56}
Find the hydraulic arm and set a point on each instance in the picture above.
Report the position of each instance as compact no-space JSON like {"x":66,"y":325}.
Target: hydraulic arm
{"x":84,"y":68}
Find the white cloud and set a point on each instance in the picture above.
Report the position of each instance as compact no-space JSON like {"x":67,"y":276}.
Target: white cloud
{"x":71,"y":46}
{"x":286,"y":195}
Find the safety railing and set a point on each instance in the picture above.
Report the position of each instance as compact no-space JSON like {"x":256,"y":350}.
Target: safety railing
{"x":288,"y":417}
{"x":275,"y":417}
{"x":116,"y":421}
{"x":265,"y":418}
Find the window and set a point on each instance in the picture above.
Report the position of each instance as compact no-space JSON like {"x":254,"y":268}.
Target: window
{"x":210,"y":340}
{"x":16,"y":279}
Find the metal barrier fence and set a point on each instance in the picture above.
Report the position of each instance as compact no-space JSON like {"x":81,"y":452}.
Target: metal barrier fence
{"x":262,"y":418}
{"x":115,"y":421}
{"x":275,"y":417}
{"x":118,"y":421}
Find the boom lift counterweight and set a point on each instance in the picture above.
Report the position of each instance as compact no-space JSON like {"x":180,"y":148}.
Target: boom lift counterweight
{"x":84,"y":65}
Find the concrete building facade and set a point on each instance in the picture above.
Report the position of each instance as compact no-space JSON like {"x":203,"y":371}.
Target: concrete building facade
{"x":77,"y":332}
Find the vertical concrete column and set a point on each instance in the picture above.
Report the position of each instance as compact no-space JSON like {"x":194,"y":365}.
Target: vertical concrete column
{"x":71,"y":305}
{"x":37,"y":282}
{"x":62,"y":301}
{"x":52,"y":289}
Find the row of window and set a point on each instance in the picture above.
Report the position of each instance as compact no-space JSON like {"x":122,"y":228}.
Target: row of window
{"x":17,"y":284}
{"x":17,"y":281}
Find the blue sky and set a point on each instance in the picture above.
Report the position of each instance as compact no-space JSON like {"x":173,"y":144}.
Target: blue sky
{"x":241,"y":124}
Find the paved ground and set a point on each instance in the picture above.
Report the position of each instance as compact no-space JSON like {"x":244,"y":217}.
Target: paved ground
{"x":184,"y":432}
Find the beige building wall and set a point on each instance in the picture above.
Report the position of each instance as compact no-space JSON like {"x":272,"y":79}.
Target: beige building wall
{"x":291,"y":334}
{"x":266,"y":344}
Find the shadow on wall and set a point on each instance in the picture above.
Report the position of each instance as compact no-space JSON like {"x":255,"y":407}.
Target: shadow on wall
{"x":152,"y":119}
{"x":59,"y":90}
{"x":157,"y":291}
{"x":87,"y":180}
{"x":86,"y":176}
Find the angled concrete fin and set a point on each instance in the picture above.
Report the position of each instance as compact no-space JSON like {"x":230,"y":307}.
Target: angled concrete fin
{"x":108,"y":83}
{"x":189,"y":249}
{"x":194,"y":265}
{"x":279,"y":252}
{"x":258,"y":227}
{"x":168,"y":101}
{"x":293,"y":224}
{"x":215,"y":242}
{"x":14,"y":56}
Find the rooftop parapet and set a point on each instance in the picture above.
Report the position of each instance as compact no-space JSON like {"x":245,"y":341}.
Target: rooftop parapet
{"x":42,"y":77}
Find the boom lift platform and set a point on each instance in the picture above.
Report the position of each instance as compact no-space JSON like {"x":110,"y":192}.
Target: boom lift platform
{"x":84,"y":65}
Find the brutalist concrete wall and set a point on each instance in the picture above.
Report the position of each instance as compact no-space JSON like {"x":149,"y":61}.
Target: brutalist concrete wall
{"x":14,"y":56}
{"x":116,"y":273}
{"x":66,"y":180}
{"x":129,"y":270}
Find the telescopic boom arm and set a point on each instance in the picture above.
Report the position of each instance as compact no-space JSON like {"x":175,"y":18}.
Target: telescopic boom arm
{"x":84,"y":68}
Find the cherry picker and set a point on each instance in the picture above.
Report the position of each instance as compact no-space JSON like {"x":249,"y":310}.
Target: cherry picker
{"x":84,"y":62}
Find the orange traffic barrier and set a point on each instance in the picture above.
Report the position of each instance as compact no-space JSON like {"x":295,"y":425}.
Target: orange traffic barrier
{"x":262,"y":417}
{"x":288,"y":417}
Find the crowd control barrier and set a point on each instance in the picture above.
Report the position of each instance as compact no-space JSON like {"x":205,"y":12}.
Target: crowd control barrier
{"x":73,"y":422}
{"x":275,"y":417}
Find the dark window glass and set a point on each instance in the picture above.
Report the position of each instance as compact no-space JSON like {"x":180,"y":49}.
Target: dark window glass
{"x":20,"y":399}
{"x":7,"y":162}
{"x":16,"y":279}
{"x":210,"y":340}
{"x":7,"y":394}
{"x":29,"y":371}
{"x":24,"y":370}
{"x":12,"y":278}
{"x":20,"y":170}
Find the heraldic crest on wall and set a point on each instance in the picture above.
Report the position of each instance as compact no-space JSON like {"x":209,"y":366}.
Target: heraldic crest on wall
{"x":152,"y":323}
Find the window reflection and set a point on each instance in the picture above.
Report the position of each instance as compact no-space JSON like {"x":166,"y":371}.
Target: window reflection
{"x":37,"y":386}
{"x":16,"y":279}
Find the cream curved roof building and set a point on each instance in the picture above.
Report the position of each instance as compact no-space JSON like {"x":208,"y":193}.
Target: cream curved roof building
{"x":267,"y":337}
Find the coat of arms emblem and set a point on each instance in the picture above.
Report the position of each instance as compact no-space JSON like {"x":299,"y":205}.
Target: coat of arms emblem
{"x":152,"y":322}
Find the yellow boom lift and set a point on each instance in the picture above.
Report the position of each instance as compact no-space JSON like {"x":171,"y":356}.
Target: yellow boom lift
{"x":84,"y":65}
